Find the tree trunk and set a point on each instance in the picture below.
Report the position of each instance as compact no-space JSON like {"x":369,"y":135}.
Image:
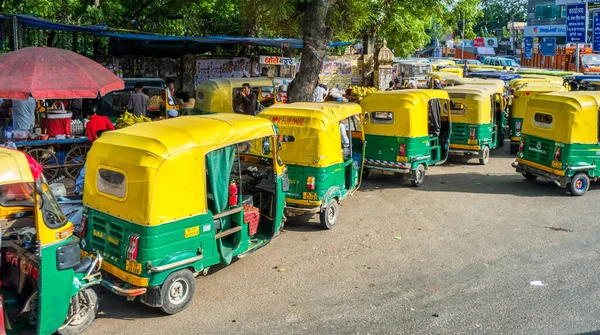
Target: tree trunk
{"x":316,"y":36}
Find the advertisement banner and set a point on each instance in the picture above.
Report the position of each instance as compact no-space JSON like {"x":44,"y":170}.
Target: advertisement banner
{"x":528,"y":47}
{"x":548,"y":46}
{"x":276,"y":60}
{"x":478,"y":42}
{"x":576,"y":23}
{"x":596,"y":32}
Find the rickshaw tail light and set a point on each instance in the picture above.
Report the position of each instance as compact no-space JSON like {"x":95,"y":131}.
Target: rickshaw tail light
{"x":402,"y":150}
{"x":35,"y":273}
{"x":82,"y":229}
{"x":521,"y":146}
{"x":310,"y":183}
{"x":132,"y":250}
{"x":472,"y":133}
{"x":557,"y":154}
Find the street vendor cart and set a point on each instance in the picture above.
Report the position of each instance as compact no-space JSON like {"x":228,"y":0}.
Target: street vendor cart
{"x":57,"y":142}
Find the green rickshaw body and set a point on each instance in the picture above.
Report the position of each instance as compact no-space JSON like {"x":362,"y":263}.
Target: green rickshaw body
{"x":40,"y":257}
{"x":478,"y":120}
{"x":322,"y":168}
{"x":167,"y":200}
{"x":406,"y":131}
{"x":560,"y":139}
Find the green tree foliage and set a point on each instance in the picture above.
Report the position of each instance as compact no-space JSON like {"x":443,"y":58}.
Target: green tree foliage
{"x":498,"y":13}
{"x":406,"y":24}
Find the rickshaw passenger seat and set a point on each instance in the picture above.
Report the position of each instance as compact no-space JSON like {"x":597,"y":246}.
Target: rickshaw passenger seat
{"x":83,"y":265}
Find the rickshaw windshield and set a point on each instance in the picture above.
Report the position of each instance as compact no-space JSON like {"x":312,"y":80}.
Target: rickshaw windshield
{"x":18,"y":194}
{"x":51,"y":212}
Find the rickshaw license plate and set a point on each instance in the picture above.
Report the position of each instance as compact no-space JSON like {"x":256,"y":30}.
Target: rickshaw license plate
{"x":309,"y":196}
{"x":133,"y":267}
{"x":191,"y":232}
{"x":472,"y":141}
{"x":556,"y":164}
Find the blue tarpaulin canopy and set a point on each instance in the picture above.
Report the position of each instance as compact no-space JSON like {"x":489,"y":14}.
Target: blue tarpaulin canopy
{"x":30,"y":21}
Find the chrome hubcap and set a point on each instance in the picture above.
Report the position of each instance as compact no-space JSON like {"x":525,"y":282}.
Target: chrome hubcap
{"x":178,"y":292}
{"x":330,"y":214}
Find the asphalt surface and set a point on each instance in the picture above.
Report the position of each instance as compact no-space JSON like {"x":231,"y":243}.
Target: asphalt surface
{"x":457,"y":255}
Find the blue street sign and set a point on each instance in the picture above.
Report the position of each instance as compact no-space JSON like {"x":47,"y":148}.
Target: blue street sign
{"x":528,"y":49}
{"x":576,"y":23}
{"x":596,"y":33}
{"x":548,"y":46}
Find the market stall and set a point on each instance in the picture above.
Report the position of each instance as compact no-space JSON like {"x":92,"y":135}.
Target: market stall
{"x":56,"y":140}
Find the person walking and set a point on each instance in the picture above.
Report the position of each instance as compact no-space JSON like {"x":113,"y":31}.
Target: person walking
{"x":138,"y":101}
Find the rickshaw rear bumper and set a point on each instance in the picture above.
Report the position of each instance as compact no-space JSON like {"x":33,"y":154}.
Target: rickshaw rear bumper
{"x":397,"y":167}
{"x":296,"y":211}
{"x":560,"y":181}
{"x":124,"y":291}
{"x":460,"y":149}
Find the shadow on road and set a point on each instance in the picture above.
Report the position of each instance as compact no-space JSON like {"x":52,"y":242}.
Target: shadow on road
{"x":469,"y":183}
{"x":303,"y":223}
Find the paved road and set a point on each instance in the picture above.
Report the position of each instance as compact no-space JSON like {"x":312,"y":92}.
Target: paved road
{"x":455,"y":256}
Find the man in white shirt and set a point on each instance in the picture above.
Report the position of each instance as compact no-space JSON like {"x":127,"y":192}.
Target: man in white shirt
{"x":319,"y":93}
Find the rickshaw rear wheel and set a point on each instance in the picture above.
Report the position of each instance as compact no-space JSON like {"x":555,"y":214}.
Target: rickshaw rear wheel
{"x":418,"y":175}
{"x":529,"y":176}
{"x":366,"y":173}
{"x":329,"y":216}
{"x":177,"y":291}
{"x":484,"y":156}
{"x":514,"y":148}
{"x":86,"y":316}
{"x":580,"y":184}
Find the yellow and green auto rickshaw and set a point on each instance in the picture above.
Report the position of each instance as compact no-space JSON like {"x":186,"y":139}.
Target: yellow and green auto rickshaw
{"x":521,"y":95}
{"x":457,"y":70}
{"x":478,"y":120}
{"x":406,"y":131}
{"x":166,"y":200}
{"x":45,"y":286}
{"x":322,"y":147}
{"x":218,"y":95}
{"x":441,"y":76}
{"x":559,"y":140}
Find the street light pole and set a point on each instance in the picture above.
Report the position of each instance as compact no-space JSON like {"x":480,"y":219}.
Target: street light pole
{"x":463,"y":38}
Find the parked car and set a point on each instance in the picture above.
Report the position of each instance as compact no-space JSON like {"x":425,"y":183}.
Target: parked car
{"x":501,"y":61}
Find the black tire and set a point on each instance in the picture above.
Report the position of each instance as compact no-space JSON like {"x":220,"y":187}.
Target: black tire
{"x":485,"y":155}
{"x":418,"y":175}
{"x":86,"y":316}
{"x":501,"y":138}
{"x":529,"y":176}
{"x":514,"y":148}
{"x":329,"y":216}
{"x":580,"y":184}
{"x":177,"y":291}
{"x":366,"y":173}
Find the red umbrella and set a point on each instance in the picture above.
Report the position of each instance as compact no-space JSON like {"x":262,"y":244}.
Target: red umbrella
{"x":51,"y":73}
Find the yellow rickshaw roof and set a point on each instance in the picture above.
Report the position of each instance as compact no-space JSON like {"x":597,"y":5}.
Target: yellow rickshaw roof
{"x":576,"y":115}
{"x":235,"y":82}
{"x":167,"y":137}
{"x":14,"y":167}
{"x":540,"y":86}
{"x":477,"y":92}
{"x":319,"y":114}
{"x":443,"y":75}
{"x":415,"y":95}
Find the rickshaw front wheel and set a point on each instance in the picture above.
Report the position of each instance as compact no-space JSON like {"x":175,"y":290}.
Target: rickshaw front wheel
{"x":418,"y":176}
{"x":78,"y":323}
{"x":580,"y":184}
{"x":529,"y":176}
{"x":328,"y":217}
{"x":484,"y":155}
{"x":177,"y":291}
